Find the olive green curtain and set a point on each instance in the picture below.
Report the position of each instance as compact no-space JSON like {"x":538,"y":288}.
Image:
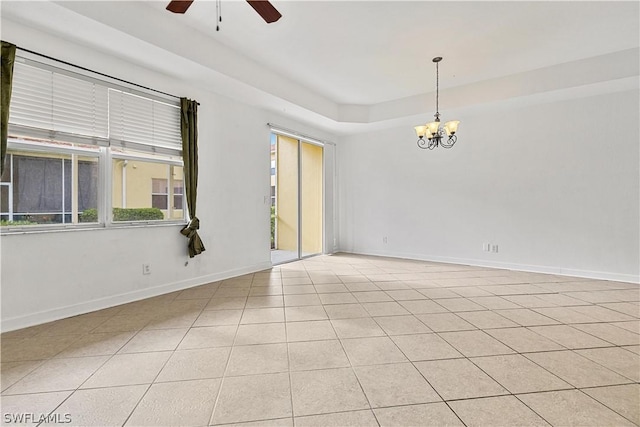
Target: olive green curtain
{"x":189,"y":130}
{"x":8,"y":56}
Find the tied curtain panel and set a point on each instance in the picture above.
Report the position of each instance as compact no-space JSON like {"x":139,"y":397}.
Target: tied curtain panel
{"x":8,"y":56}
{"x":189,"y":131}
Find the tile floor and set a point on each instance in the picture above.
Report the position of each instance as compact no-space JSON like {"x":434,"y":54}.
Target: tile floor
{"x":341,"y":340}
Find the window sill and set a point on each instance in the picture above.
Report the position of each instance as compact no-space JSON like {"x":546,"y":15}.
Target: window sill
{"x":7,"y":231}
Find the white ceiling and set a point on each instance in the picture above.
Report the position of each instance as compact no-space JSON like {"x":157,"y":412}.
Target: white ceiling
{"x":332,"y":63}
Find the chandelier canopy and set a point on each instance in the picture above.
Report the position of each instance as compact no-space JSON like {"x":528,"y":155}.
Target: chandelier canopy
{"x":433,"y":132}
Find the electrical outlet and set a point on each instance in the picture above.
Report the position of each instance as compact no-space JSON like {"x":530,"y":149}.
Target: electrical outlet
{"x":384,"y":239}
{"x":494,"y":249}
{"x":146,"y":269}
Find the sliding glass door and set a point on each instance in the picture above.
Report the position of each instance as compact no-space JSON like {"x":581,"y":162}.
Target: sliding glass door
{"x":297,"y":202}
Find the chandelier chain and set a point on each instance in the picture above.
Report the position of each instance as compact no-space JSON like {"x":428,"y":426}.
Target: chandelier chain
{"x":437,"y":89}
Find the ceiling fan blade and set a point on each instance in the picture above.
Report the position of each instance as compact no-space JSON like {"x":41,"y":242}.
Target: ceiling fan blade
{"x":179,"y":6}
{"x":266,"y":10}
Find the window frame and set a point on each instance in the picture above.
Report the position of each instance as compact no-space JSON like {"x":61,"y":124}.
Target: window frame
{"x":107,"y":149}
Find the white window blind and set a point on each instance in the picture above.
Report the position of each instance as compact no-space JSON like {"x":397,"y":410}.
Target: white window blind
{"x":47,"y":104}
{"x":135,"y":120}
{"x":52,"y":105}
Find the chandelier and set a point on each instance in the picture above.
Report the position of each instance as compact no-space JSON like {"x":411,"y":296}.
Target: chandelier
{"x":435,"y":135}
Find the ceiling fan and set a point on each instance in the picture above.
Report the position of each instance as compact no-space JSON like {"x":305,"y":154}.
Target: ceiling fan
{"x":263,"y":7}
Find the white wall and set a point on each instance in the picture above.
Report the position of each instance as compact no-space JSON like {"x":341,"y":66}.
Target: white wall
{"x":46,"y":276}
{"x":556,"y":186}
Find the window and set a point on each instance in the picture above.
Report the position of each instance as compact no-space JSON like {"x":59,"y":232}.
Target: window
{"x":78,"y":144}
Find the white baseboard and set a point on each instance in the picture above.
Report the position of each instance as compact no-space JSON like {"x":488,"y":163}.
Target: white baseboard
{"x":588,"y":274}
{"x":40,"y":317}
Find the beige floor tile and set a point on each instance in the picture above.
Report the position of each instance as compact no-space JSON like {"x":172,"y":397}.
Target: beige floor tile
{"x":439,"y":293}
{"x":262,"y":315}
{"x":195,"y":364}
{"x":258,"y":359}
{"x":621,"y":398}
{"x":423,"y":307}
{"x":338,"y":298}
{"x":128,"y":369}
{"x":278,"y":422}
{"x":254,"y":397}
{"x":459,"y":379}
{"x":524,"y":340}
{"x":373,"y":296}
{"x":526,"y":317}
{"x":395,"y":384}
{"x":330,"y":288}
{"x":623,"y":307}
{"x":154,"y":340}
{"x":617,"y":359}
{"x":298,"y":289}
{"x":518,"y":374}
{"x":324,"y":391}
{"x":231,"y":303}
{"x":475,"y":343}
{"x":632,"y":348}
{"x":576,"y":370}
{"x":173,"y":320}
{"x":103,"y":344}
{"x":23,"y":409}
{"x":601,"y":313}
{"x":218,"y":318}
{"x":565,"y":315}
{"x":471,"y":291}
{"x":356,"y":328}
{"x":572,"y":408}
{"x":304,"y":356}
{"x":496,"y":411}
{"x":12,"y":372}
{"x":445,"y":322}
{"x":102,"y":406}
{"x":341,"y":419}
{"x":610,"y":333}
{"x":265,"y":301}
{"x":73,"y":325}
{"x":35,"y":348}
{"x":401,"y":325}
{"x":631,"y":326}
{"x":405,"y":295}
{"x":459,"y":304}
{"x":58,"y":375}
{"x":487,"y":320}
{"x":430,"y":414}
{"x":205,"y":292}
{"x":265,"y":333}
{"x":494,"y":303}
{"x":569,"y":337}
{"x":208,"y":336}
{"x":231,"y":292}
{"x":561,"y":300}
{"x":301,"y":300}
{"x":345,"y":311}
{"x":272,"y":290}
{"x":390,"y":308}
{"x":528,"y":301}
{"x":310,"y":331}
{"x":425,"y":347}
{"x":297,"y":314}
{"x":363,"y":286}
{"x":372,"y":351}
{"x":176,"y":403}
